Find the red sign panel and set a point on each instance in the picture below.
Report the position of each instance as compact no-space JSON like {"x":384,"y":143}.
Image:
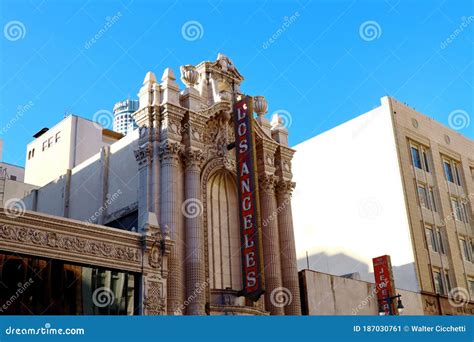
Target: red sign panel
{"x":384,"y":284}
{"x":252,"y":265}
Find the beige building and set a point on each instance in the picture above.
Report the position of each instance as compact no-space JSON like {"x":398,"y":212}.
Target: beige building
{"x":64,"y":146}
{"x":326,"y":294}
{"x":391,"y":181}
{"x":173,"y":184}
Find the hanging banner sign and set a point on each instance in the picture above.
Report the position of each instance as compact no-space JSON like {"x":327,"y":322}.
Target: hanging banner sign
{"x":252,"y":262}
{"x":384,"y":284}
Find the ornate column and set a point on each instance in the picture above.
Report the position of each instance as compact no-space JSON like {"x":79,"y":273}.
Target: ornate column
{"x":192,"y":210}
{"x":169,"y":208}
{"x":271,"y":245}
{"x":143,"y":157}
{"x":289,"y":267}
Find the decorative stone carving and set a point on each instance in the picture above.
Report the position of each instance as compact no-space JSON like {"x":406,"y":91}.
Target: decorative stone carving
{"x":68,"y":243}
{"x":267,"y":182}
{"x":260,"y":105}
{"x":154,"y":302}
{"x":285,"y":186}
{"x":143,"y":154}
{"x":189,"y":75}
{"x":194,"y":158}
{"x":169,"y":149}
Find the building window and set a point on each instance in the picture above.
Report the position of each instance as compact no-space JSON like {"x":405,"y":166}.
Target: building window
{"x":415,"y":157}
{"x":465,"y":250}
{"x":471,"y":286}
{"x":448,"y":172}
{"x":432,"y":200}
{"x":457,"y":210}
{"x":448,"y":281}
{"x":431,"y":239}
{"x":440,"y":241}
{"x":419,"y":157}
{"x":13,"y":178}
{"x":438,"y":282}
{"x":423,"y":195}
{"x":465,"y":212}
{"x":452,"y":171}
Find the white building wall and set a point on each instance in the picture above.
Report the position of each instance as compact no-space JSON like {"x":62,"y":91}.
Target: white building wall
{"x":89,"y":183}
{"x":79,"y":139}
{"x":348,"y":205}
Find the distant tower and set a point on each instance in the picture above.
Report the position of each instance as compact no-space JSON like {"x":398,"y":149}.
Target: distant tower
{"x":123,"y":121}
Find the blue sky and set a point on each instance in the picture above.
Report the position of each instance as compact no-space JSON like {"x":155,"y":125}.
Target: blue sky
{"x":322,"y":69}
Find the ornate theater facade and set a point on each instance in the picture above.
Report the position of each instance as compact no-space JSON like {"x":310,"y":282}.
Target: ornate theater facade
{"x":188,"y":215}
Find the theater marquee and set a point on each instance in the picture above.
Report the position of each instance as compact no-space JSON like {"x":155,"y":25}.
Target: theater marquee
{"x":252,"y":263}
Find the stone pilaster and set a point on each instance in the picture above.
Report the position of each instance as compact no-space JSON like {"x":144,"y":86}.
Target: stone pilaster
{"x":289,"y":267}
{"x":192,"y":209}
{"x":169,"y":208}
{"x":271,"y":245}
{"x":143,"y":157}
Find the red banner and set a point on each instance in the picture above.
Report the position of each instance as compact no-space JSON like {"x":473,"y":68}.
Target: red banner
{"x":252,"y":265}
{"x":384,"y":284}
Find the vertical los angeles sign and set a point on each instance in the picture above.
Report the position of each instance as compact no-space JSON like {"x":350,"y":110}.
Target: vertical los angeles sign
{"x":252,"y":265}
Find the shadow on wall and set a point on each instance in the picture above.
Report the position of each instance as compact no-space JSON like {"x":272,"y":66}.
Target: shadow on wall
{"x":343,"y":265}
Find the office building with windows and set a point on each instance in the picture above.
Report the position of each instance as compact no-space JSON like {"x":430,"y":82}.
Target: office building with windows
{"x":391,"y":181}
{"x":123,"y":120}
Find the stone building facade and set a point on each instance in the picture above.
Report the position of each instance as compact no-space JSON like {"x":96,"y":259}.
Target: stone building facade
{"x":171,"y":188}
{"x":187,"y":178}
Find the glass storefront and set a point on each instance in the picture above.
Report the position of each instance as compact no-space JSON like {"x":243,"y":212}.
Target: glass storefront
{"x":35,"y":286}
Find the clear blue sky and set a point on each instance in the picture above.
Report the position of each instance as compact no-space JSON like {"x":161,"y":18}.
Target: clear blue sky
{"x":323,"y":69}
